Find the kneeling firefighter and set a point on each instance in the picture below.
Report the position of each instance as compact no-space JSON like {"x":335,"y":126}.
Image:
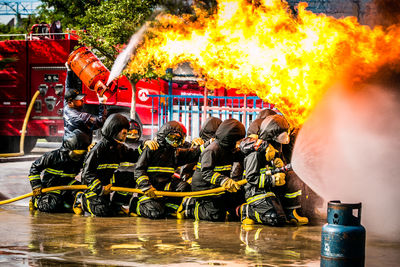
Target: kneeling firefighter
{"x":266,"y":195}
{"x":154,"y":171}
{"x":59,"y":167}
{"x":101,"y":162}
{"x":213,"y":170}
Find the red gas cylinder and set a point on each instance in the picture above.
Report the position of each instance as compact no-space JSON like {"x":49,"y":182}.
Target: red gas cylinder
{"x":91,"y":71}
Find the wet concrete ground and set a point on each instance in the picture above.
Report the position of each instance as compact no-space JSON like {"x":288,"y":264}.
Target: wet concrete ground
{"x":41,"y":239}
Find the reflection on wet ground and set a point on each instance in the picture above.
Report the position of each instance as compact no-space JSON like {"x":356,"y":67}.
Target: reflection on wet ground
{"x":52,"y":239}
{"x":41,"y":239}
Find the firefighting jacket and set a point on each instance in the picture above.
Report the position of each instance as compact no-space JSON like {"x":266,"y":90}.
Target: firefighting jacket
{"x":76,"y":118}
{"x":215,"y":163}
{"x":271,"y":128}
{"x":58,"y":167}
{"x":155,"y":168}
{"x":104,"y":158}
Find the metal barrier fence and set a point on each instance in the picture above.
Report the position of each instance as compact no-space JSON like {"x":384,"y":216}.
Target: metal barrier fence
{"x":192,"y":110}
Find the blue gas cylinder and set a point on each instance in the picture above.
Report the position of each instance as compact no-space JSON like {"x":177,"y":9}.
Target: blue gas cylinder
{"x":343,"y":237}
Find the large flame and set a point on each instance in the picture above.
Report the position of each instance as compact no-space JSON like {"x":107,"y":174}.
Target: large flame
{"x":289,"y":60}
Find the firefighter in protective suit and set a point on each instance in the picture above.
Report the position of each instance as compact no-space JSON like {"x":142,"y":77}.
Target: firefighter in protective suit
{"x":101,"y":162}
{"x":213,"y":170}
{"x":206,"y":136}
{"x":59,"y":167}
{"x":254,"y":127}
{"x":264,"y":193}
{"x":124,"y":175}
{"x":155,"y":168}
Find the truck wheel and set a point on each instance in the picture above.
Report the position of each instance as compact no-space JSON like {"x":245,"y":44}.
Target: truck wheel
{"x":29,"y":144}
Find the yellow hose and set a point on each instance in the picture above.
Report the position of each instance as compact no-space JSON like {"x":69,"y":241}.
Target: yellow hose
{"x":22,"y":140}
{"x":126,"y":189}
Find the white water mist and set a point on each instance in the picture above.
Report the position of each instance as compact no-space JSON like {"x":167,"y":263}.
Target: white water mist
{"x":124,"y":56}
{"x":349,"y":149}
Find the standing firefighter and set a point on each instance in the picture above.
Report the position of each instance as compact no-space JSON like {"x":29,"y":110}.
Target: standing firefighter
{"x":74,"y":116}
{"x":154,"y":171}
{"x":101,"y":162}
{"x":213,"y":170}
{"x":59,"y":167}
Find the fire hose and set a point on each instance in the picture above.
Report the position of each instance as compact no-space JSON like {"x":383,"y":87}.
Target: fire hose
{"x":135,"y":190}
{"x":22,"y":140}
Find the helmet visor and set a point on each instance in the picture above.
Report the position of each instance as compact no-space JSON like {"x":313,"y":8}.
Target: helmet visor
{"x":175,"y":139}
{"x":283,"y":138}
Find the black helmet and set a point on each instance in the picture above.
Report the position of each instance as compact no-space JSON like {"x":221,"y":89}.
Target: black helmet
{"x":114,"y":124}
{"x":76,"y":140}
{"x":135,"y":131}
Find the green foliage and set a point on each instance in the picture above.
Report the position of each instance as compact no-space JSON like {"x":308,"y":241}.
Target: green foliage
{"x":110,"y":25}
{"x":69,"y":12}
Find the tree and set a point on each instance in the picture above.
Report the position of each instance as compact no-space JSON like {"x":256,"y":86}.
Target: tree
{"x":110,"y":25}
{"x":69,"y":12}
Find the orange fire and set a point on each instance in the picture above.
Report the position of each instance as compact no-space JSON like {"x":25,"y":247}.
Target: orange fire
{"x":287,"y":60}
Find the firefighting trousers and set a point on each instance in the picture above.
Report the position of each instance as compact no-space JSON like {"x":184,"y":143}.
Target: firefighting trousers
{"x":264,"y":209}
{"x":97,"y":205}
{"x":55,"y":201}
{"x":295,"y":194}
{"x":213,"y":208}
{"x":160,"y":207}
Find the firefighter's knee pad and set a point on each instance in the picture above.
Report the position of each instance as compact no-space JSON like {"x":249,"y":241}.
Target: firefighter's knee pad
{"x":50,"y":203}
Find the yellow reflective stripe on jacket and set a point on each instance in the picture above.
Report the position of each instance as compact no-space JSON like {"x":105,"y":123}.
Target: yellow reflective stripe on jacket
{"x":126,"y":164}
{"x":258,"y":197}
{"x":261,"y":182}
{"x":293,"y":195}
{"x":108,"y":166}
{"x":198,"y":165}
{"x":214,"y":177}
{"x":142,"y":178}
{"x":167,"y":186}
{"x":263,"y":170}
{"x":72,"y":182}
{"x":60,"y":172}
{"x":94,"y":184}
{"x":172,"y":206}
{"x":55,"y":191}
{"x":208,"y":195}
{"x":201,"y":148}
{"x":161,"y":169}
{"x":90,"y":194}
{"x":257,"y":217}
{"x":223,"y":168}
{"x":140,"y":150}
{"x":34,"y":177}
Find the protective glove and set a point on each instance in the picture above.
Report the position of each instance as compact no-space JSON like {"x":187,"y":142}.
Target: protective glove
{"x":107,"y":189}
{"x":270,"y":153}
{"x":153,"y":145}
{"x":253,"y":136}
{"x":278,"y":179}
{"x":197,"y":141}
{"x":102,"y":99}
{"x":37,"y":191}
{"x":230,"y":185}
{"x":151,"y":192}
{"x":278,"y":163}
